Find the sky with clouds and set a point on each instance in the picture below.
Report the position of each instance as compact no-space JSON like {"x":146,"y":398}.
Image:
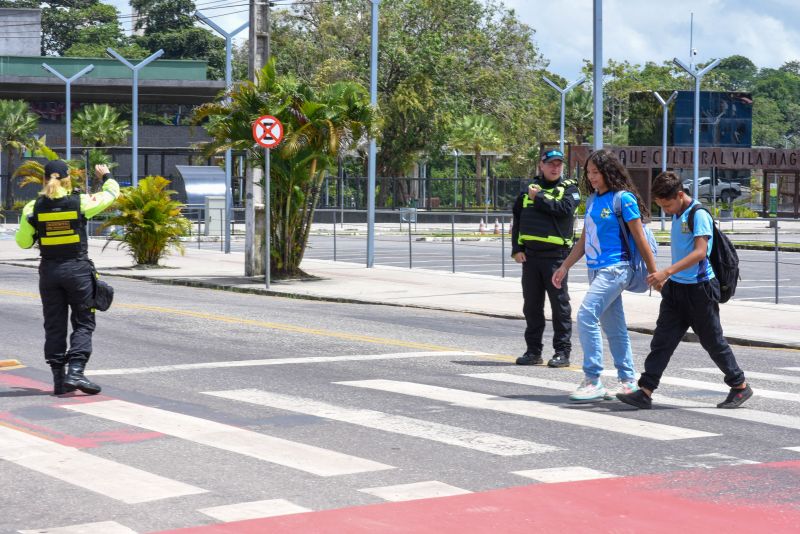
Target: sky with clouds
{"x":766,"y":31}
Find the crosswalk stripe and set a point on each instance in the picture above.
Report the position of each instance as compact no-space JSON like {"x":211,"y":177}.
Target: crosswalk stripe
{"x":398,"y":424}
{"x":103,"y":527}
{"x":719,"y":388}
{"x":744,"y":414}
{"x":538,"y":410}
{"x":430,"y":489}
{"x":750,"y":375}
{"x":796,"y":449}
{"x":709,"y":460}
{"x":100,"y":475}
{"x":253,"y":510}
{"x":570,"y":473}
{"x":314,"y":460}
{"x":279,"y":361}
{"x":793,"y":369}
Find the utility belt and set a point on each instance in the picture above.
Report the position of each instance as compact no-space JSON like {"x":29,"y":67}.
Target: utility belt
{"x":538,"y":249}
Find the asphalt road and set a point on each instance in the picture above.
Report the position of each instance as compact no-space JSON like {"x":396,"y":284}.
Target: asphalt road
{"x":213,"y":399}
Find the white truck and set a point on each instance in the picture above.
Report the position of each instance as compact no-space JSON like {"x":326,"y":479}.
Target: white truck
{"x":724,"y":191}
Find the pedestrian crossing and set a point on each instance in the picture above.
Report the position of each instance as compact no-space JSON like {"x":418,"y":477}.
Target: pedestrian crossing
{"x":380,"y":478}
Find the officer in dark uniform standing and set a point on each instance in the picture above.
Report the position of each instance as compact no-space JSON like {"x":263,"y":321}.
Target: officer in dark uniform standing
{"x":56,"y":220}
{"x":542,"y":236}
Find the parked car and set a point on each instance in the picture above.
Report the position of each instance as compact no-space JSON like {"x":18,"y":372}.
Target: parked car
{"x":724,"y":191}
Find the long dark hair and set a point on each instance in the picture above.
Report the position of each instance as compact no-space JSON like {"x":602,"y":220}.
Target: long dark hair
{"x":616,"y":176}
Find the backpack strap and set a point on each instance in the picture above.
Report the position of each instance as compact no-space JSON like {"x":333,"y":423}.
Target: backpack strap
{"x":692,"y":213}
{"x":617,"y":203}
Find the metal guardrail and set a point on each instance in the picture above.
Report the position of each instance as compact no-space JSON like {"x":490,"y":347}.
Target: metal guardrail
{"x":461,"y":230}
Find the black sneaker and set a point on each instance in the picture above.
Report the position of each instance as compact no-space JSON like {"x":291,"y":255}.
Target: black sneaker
{"x":530,"y":358}
{"x":559,"y":360}
{"x":736,"y":397}
{"x":638,"y":399}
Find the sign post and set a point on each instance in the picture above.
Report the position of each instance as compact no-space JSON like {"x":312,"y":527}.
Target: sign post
{"x":267,"y":133}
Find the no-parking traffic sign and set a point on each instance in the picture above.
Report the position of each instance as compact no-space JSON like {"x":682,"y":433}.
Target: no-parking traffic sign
{"x":267,"y":131}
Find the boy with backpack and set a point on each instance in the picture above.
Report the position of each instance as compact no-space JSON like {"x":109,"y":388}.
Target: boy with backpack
{"x":691,"y":293}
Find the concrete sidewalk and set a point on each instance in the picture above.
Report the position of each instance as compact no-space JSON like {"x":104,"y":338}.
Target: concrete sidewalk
{"x":748,"y":323}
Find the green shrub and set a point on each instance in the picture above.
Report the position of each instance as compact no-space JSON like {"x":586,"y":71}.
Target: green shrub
{"x":743,"y":212}
{"x":150,"y":221}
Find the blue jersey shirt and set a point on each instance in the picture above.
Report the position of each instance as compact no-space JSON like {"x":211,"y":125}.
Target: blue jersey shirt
{"x":682,"y":244}
{"x":605,"y":245}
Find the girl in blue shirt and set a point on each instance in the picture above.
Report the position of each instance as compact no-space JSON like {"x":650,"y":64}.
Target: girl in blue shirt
{"x":609,"y":273}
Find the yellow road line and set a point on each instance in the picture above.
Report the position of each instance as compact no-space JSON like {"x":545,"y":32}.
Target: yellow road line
{"x":7,"y":365}
{"x":288,"y":327}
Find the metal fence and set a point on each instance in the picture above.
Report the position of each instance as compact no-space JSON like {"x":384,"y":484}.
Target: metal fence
{"x":769,"y":249}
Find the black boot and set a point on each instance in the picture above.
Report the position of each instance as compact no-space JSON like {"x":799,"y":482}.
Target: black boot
{"x":76,"y":380}
{"x":58,"y":380}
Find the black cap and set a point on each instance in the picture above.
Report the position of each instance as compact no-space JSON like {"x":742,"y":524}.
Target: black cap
{"x":56,"y":166}
{"x":552,"y":154}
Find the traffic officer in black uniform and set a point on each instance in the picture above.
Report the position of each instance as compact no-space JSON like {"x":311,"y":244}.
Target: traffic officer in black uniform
{"x":56,"y":220}
{"x":542,"y":236}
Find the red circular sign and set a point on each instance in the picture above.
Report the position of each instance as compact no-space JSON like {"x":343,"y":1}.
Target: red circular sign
{"x":267,"y":131}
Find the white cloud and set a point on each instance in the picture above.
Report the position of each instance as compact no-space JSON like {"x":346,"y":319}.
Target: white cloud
{"x":768,"y":31}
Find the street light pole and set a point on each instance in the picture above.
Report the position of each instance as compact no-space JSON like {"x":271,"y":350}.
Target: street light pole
{"x":135,"y":135}
{"x":563,"y":93}
{"x":665,"y":108}
{"x":597,"y":59}
{"x":228,"y":83}
{"x":373,"y":100}
{"x":455,"y":182}
{"x":68,"y":83}
{"x":698,"y":78}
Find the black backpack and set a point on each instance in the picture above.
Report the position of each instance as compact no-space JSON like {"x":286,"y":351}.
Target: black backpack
{"x":723,"y":257}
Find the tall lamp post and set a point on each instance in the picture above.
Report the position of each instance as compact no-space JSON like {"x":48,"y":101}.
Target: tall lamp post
{"x":455,"y":181}
{"x":597,"y":60}
{"x":698,"y":78}
{"x":228,"y":82}
{"x":68,"y":83}
{"x":373,"y":101}
{"x":135,"y":84}
{"x":563,"y":93}
{"x":665,"y":115}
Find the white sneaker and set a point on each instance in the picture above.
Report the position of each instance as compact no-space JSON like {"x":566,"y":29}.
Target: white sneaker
{"x":589,"y":391}
{"x":624,"y":388}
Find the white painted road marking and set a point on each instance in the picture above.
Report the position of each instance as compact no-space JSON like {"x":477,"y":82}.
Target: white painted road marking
{"x":280,"y":361}
{"x":106,"y":477}
{"x":314,"y":460}
{"x":253,"y":510}
{"x":538,"y":410}
{"x":751,"y":374}
{"x":570,"y":473}
{"x":103,"y":527}
{"x":743,"y":414}
{"x":719,"y":387}
{"x":417,"y":490}
{"x":398,"y":424}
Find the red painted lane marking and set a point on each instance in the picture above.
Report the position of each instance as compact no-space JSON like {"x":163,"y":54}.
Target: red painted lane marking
{"x":87,"y":441}
{"x":669,"y":503}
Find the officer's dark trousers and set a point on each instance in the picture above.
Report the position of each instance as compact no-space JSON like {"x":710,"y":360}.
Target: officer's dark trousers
{"x":537,"y":274}
{"x":685,"y":306}
{"x":66,"y":286}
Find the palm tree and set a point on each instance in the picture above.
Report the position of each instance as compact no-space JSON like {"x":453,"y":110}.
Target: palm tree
{"x":31,"y":171}
{"x":318,"y":124}
{"x":17,"y":129}
{"x":100,"y":125}
{"x":579,"y":113}
{"x":476,"y":134}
